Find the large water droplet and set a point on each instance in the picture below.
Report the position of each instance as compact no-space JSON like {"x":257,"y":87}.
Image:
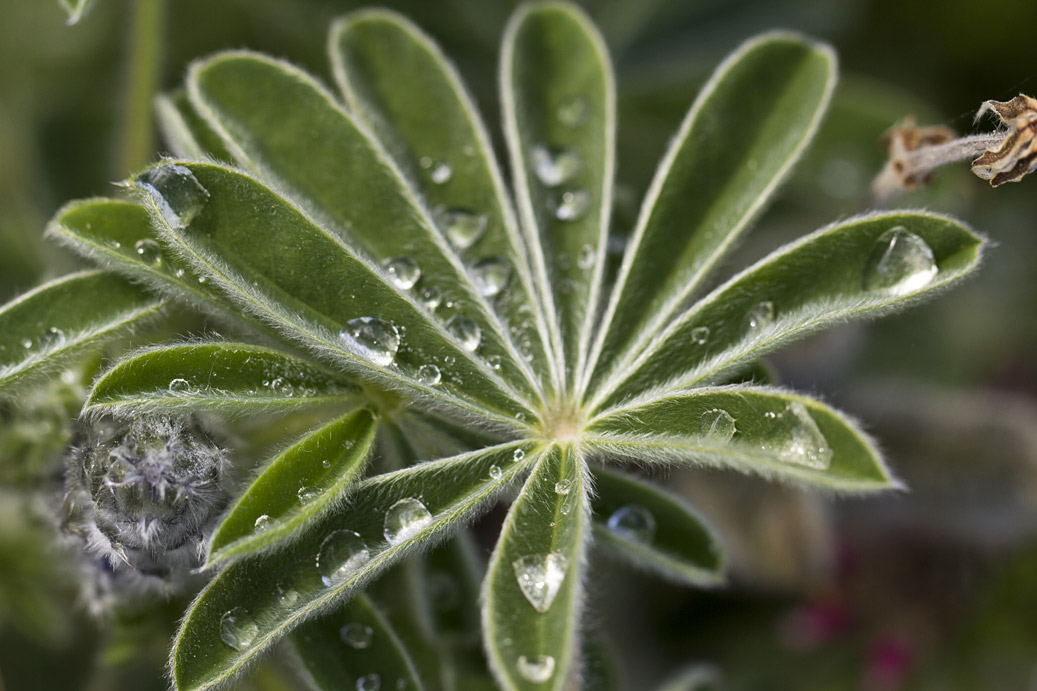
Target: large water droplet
{"x":371,"y":338}
{"x":149,"y":251}
{"x":540,"y":576}
{"x":901,"y":263}
{"x":307,"y":493}
{"x":699,"y":335}
{"x":563,"y":486}
{"x":340,"y":555}
{"x":369,"y":682}
{"x":466,"y":331}
{"x":431,"y":297}
{"x":282,"y":387}
{"x":633,"y":522}
{"x":554,"y":166}
{"x":762,"y":315}
{"x":180,"y":386}
{"x":537,"y":669}
{"x":463,"y":227}
{"x":403,"y":271}
{"x":237,"y":629}
{"x":263,"y":523}
{"x":572,"y":111}
{"x":490,"y":275}
{"x":572,"y":205}
{"x":518,"y":454}
{"x":429,"y":375}
{"x":356,"y":635}
{"x":717,"y":424}
{"x":405,"y":519}
{"x":175,"y":192}
{"x":794,"y":437}
{"x":495,"y":472}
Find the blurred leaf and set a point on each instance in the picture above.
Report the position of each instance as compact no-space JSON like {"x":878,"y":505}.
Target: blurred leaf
{"x":185,"y":132}
{"x":77,"y":9}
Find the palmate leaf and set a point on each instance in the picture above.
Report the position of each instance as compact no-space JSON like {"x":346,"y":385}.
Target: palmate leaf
{"x":51,"y":325}
{"x":185,"y":132}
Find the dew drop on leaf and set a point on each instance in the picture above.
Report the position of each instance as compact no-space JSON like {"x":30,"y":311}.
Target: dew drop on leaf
{"x":373,"y":339}
{"x":490,"y":275}
{"x":149,"y":251}
{"x":495,"y":362}
{"x":585,"y":259}
{"x":466,"y":331}
{"x":356,"y":635}
{"x":540,"y":576}
{"x":282,"y":387}
{"x":441,"y":173}
{"x":429,"y":375}
{"x":762,"y":315}
{"x":495,"y":472}
{"x":572,"y":111}
{"x":699,"y":335}
{"x":794,"y":437}
{"x":237,"y":629}
{"x":632,"y":522}
{"x":572,"y":205}
{"x":307,"y":494}
{"x":180,"y":385}
{"x":555,"y":166}
{"x":563,"y":486}
{"x":340,"y":555}
{"x":369,"y":682}
{"x":263,"y":523}
{"x":463,"y":227}
{"x":519,"y":454}
{"x":175,"y":192}
{"x":537,"y":669}
{"x":325,"y":464}
{"x":901,"y":263}
{"x":27,"y":343}
{"x":431,"y":297}
{"x":405,"y":519}
{"x":403,"y":271}
{"x":717,"y":424}
{"x":286,"y":597}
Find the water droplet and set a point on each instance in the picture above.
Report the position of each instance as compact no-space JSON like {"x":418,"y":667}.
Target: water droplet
{"x":263,"y":523}
{"x":403,"y":271}
{"x":762,"y":315}
{"x":431,"y":297}
{"x":572,"y":111}
{"x":633,"y":522}
{"x":585,"y":259}
{"x":555,"y":166}
{"x":52,"y":338}
{"x":356,"y":635}
{"x":369,"y":682}
{"x":572,"y":205}
{"x":405,"y":519}
{"x":371,"y":338}
{"x":441,"y":173}
{"x":540,"y":577}
{"x":699,"y":335}
{"x":495,"y":362}
{"x":463,"y":228}
{"x":282,"y":387}
{"x":175,"y":192}
{"x":495,"y":472}
{"x":536,"y":669}
{"x":179,"y":386}
{"x":717,"y":424}
{"x":237,"y":629}
{"x":27,"y":343}
{"x":149,"y":251}
{"x":325,"y":464}
{"x":901,"y":263}
{"x":794,"y":437}
{"x":519,"y":454}
{"x":563,"y":486}
{"x":341,"y":554}
{"x":285,"y":597}
{"x":307,"y":494}
{"x":429,"y":375}
{"x":490,"y":275}
{"x":466,"y":331}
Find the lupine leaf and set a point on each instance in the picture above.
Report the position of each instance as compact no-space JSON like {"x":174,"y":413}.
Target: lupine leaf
{"x":655,"y":530}
{"x":230,"y":378}
{"x":185,"y":132}
{"x":50,"y":325}
{"x":825,"y":278}
{"x":533,"y":592}
{"x":746,"y":129}
{"x":279,"y":591}
{"x":558,"y":98}
{"x":354,"y":646}
{"x":284,"y":268}
{"x":296,"y":488}
{"x":278,"y":121}
{"x":398,"y":82}
{"x":768,"y":432}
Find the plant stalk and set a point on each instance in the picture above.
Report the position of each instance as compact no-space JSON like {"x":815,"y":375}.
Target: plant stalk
{"x":144,"y":65}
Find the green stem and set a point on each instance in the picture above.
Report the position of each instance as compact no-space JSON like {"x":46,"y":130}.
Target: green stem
{"x":144,"y":64}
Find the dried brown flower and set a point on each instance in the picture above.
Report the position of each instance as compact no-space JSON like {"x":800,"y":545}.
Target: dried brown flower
{"x":1017,"y":153}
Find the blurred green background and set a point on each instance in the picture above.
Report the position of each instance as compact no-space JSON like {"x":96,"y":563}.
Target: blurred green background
{"x":931,"y":589}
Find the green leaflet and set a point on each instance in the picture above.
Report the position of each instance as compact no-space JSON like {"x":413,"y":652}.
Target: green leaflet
{"x":558,"y":99}
{"x":76,"y":9}
{"x":279,"y":591}
{"x":353,"y":646}
{"x":47,"y":327}
{"x":281,"y":123}
{"x":655,"y":530}
{"x":757,"y":430}
{"x":281,"y":266}
{"x":296,"y":488}
{"x":745,"y":131}
{"x":185,"y":132}
{"x":532,"y":594}
{"x":230,"y":378}
{"x":398,"y":82}
{"x":829,"y":277}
